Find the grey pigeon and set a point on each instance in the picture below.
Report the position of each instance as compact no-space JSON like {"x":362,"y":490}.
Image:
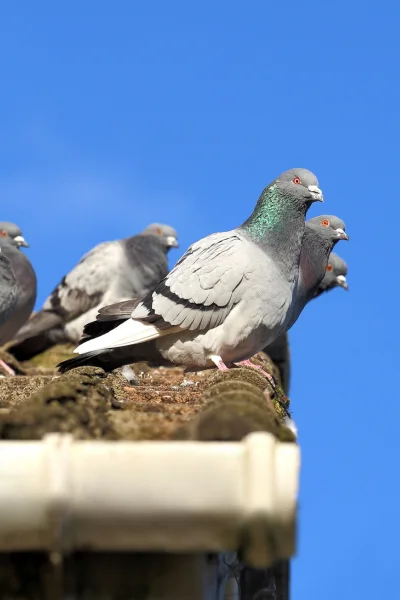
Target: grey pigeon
{"x":335,"y":275}
{"x":230,"y":295}
{"x":8,"y":295}
{"x":110,"y":272}
{"x":320,"y":271}
{"x":321,"y":234}
{"x":11,"y":240}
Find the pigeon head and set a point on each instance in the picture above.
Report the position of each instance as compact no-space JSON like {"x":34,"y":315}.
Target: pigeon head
{"x":328,"y":227}
{"x":300,"y":185}
{"x":13,"y":233}
{"x":166,"y":234}
{"x":335,"y":275}
{"x":282,"y":206}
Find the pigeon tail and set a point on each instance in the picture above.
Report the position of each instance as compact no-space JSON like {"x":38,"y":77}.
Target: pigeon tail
{"x":110,"y":359}
{"x":89,"y":359}
{"x":129,"y":333}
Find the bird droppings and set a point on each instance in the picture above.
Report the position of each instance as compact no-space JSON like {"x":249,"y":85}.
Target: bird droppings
{"x":186,"y":382}
{"x":129,"y":375}
{"x":164,"y":404}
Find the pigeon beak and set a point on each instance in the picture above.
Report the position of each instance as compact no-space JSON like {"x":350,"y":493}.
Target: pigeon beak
{"x":341,"y":281}
{"x":172,"y":242}
{"x":341,"y":234}
{"x":316,"y":193}
{"x":21,"y":241}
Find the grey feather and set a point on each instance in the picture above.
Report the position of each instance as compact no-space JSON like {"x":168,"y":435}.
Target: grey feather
{"x":27,"y":289}
{"x":205,"y":285}
{"x":109,"y":273}
{"x":8,"y":289}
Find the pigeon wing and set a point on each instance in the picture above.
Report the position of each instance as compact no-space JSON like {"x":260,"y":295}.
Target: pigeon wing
{"x":202,"y":288}
{"x":85,"y":286}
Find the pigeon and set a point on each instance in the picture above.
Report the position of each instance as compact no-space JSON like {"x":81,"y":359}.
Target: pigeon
{"x":111,"y":272}
{"x":11,"y":240}
{"x":321,"y":234}
{"x":229,"y":296}
{"x":335,"y":275}
{"x":320,"y":270}
{"x":8,"y":296}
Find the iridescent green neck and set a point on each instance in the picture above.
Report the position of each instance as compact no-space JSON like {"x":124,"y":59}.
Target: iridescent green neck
{"x":277,"y":224}
{"x":274,"y":212}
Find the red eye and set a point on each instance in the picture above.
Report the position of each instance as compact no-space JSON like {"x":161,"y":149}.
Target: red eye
{"x":3,"y":233}
{"x":296,"y":180}
{"x":329,"y":268}
{"x":325,"y":223}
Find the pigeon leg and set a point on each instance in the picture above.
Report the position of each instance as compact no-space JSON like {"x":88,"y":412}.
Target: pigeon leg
{"x":248,"y":363}
{"x":218,"y":362}
{"x":7,"y":369}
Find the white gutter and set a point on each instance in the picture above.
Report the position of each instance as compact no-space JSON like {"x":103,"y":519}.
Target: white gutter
{"x":65,"y":495}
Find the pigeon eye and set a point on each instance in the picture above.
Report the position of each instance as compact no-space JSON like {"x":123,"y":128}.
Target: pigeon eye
{"x":296,"y":180}
{"x":3,"y":233}
{"x":329,"y":268}
{"x":325,"y":223}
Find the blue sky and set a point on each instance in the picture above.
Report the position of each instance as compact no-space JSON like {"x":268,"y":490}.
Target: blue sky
{"x":119,"y":114}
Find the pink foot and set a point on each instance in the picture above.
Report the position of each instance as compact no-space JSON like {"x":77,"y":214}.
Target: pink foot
{"x":248,"y":363}
{"x":219,"y":363}
{"x":7,"y":369}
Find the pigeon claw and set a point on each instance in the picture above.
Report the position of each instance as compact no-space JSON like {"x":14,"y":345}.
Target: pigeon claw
{"x":218,"y":362}
{"x":7,"y":368}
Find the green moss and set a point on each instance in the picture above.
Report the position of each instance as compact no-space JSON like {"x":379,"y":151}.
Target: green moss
{"x":76,"y":404}
{"x":253,"y":377}
{"x":147,"y":423}
{"x":14,"y":391}
{"x":232,"y":415}
{"x":84,"y":401}
{"x":240,"y":397}
{"x":281,"y":403}
{"x":230,"y":385}
{"x":246,"y":374}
